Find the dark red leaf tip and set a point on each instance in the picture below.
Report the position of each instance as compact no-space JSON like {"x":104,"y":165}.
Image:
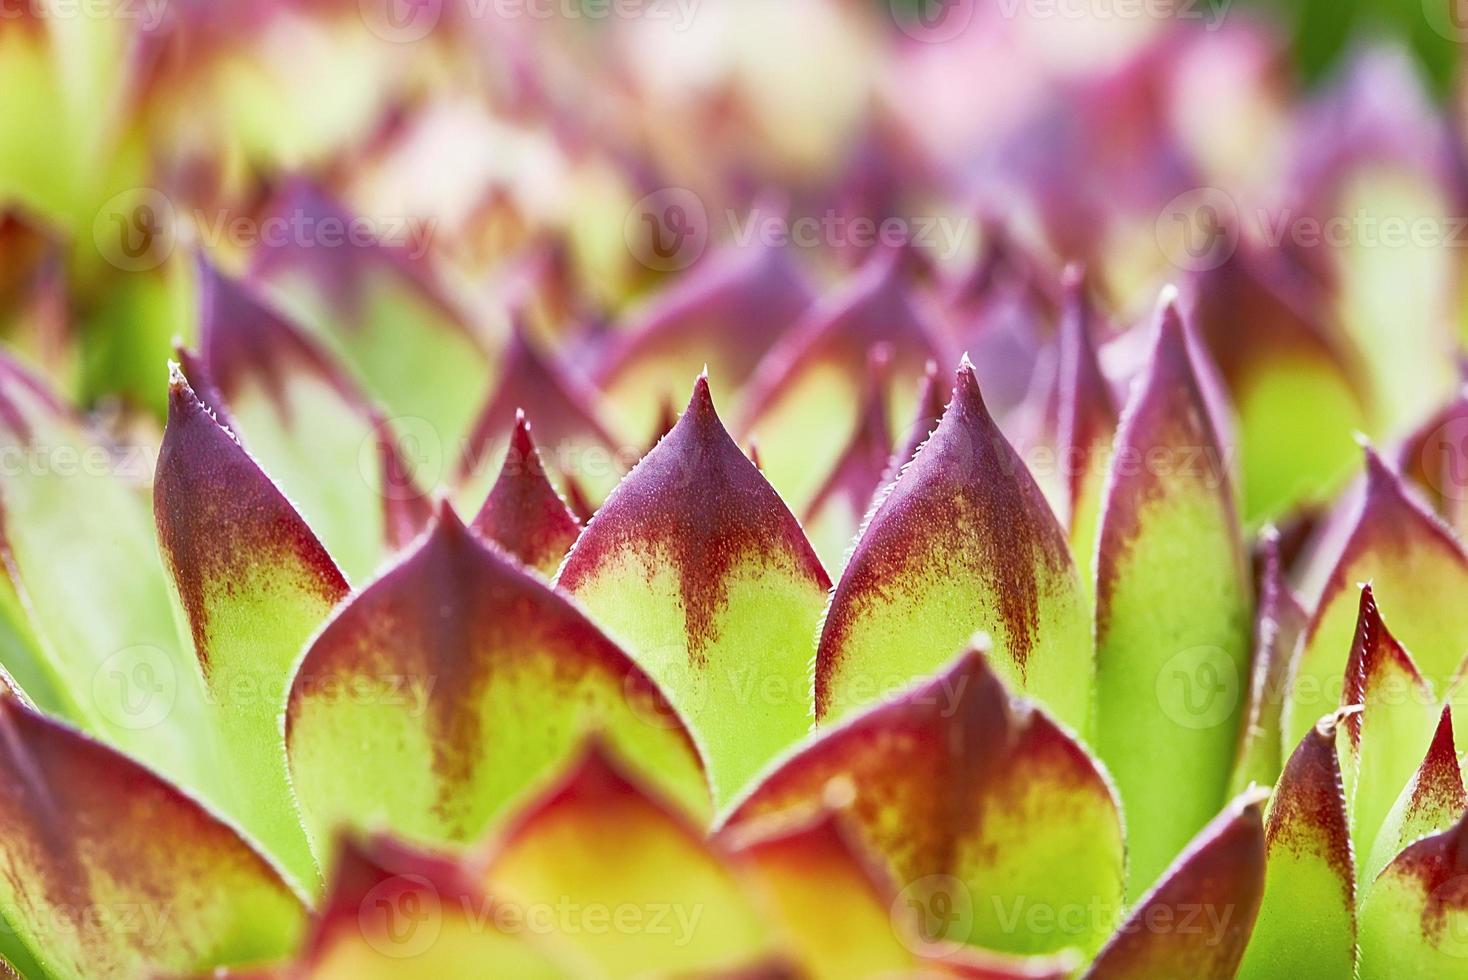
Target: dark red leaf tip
{"x":1310,"y":803}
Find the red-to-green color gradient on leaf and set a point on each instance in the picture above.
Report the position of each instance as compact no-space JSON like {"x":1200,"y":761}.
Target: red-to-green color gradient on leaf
{"x":464,"y":675}
{"x":1027,"y":822}
{"x":698,"y":569}
{"x":963,"y":541}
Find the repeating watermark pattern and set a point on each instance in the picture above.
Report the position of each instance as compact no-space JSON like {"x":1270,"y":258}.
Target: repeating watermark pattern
{"x":1446,"y":921}
{"x":138,"y":229}
{"x":1205,"y":919}
{"x":1198,"y":687}
{"x":407,"y":21}
{"x":669,"y":229}
{"x":136,"y":687}
{"x":146,"y":925}
{"x":404,"y":916}
{"x":933,"y":21}
{"x":1448,"y":18}
{"x":1202,"y":228}
{"x":933,"y":914}
{"x":1444,"y":458}
{"x":1209,"y":13}
{"x":148,"y":15}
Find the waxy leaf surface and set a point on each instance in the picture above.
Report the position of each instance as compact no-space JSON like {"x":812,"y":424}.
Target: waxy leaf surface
{"x":106,"y":869}
{"x":1307,"y":920}
{"x":963,"y":541}
{"x":254,"y":584}
{"x":461,"y":674}
{"x":1431,"y":802}
{"x":696,"y":566}
{"x":975,"y":801}
{"x":1173,"y":612}
{"x":1386,"y":738}
{"x":1414,"y":920}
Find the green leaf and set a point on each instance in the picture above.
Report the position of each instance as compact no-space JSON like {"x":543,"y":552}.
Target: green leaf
{"x":1310,"y":874}
{"x":1173,"y":611}
{"x":254,"y":584}
{"x":984,"y":809}
{"x":108,"y":870}
{"x":457,"y":682}
{"x":1196,"y":921}
{"x":1414,"y":920}
{"x":1418,"y":573}
{"x":1393,"y":728}
{"x":963,"y":541}
{"x":696,"y":566}
{"x":1431,"y":802}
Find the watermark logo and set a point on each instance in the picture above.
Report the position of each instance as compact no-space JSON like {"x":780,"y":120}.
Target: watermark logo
{"x":136,"y":687}
{"x":667,"y":230}
{"x":930,"y":910}
{"x":1199,"y":229}
{"x":1448,"y":18}
{"x":1198,"y":687}
{"x":933,"y":21}
{"x":401,"y":917}
{"x":1445,"y":459}
{"x":136,"y":230}
{"x":400,"y":21}
{"x":420,"y":460}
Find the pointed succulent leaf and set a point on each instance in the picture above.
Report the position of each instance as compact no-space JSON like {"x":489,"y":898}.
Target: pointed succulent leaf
{"x":598,"y":839}
{"x":1418,"y":571}
{"x":1196,"y":921}
{"x":523,"y":514}
{"x":1414,"y":920}
{"x":804,"y":400}
{"x":1431,"y":802}
{"x":697,"y":567}
{"x":963,"y":541}
{"x":254,"y":584}
{"x":101,"y":615}
{"x":1172,"y":611}
{"x":836,"y":513}
{"x":566,"y":415}
{"x":383,"y":313}
{"x":1279,"y":620}
{"x":305,"y":421}
{"x":461,"y":673}
{"x":982,"y":807}
{"x":109,"y":870}
{"x":1392,"y":728}
{"x":389,"y":908}
{"x":1087,"y":424}
{"x":1310,"y":871}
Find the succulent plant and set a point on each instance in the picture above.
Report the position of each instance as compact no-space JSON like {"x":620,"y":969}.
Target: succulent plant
{"x":1015,"y":607}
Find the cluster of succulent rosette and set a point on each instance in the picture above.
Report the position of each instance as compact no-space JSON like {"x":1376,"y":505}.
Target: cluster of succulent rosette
{"x":1024,"y":613}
